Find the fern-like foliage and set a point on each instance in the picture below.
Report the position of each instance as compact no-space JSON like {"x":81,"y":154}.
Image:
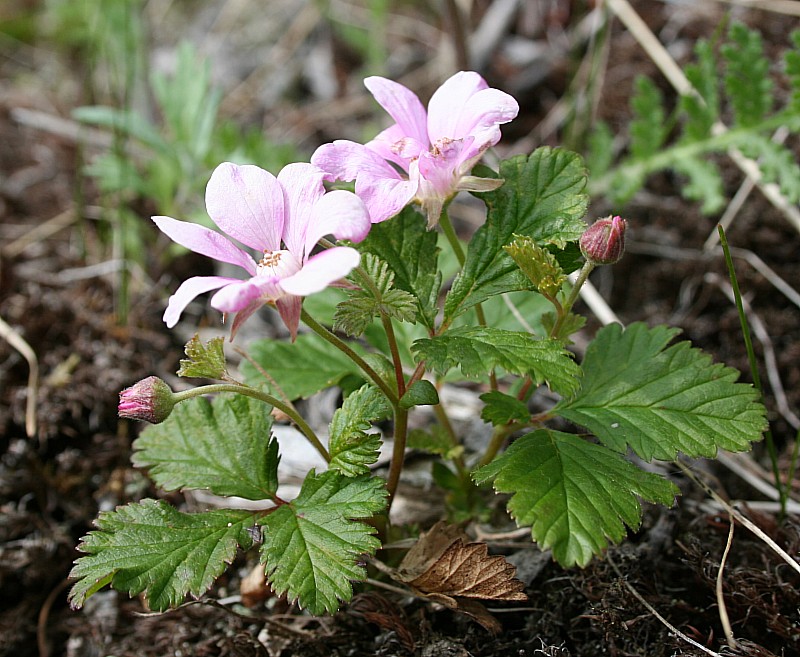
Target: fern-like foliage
{"x":732,"y":83}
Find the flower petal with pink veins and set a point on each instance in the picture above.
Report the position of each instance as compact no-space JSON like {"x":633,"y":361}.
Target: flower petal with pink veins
{"x":445,"y":106}
{"x":240,"y":294}
{"x":302,"y":183}
{"x":188,"y":290}
{"x":385,"y":197}
{"x":344,"y":160}
{"x":205,"y":242}
{"x":402,"y":105}
{"x":247,"y":203}
{"x":484,"y":113}
{"x":321,"y":270}
{"x":338,"y":213}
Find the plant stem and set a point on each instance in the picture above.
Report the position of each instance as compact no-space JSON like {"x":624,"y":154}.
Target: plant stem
{"x":563,"y":311}
{"x":398,"y":453}
{"x":352,"y":355}
{"x":398,"y":363}
{"x":247,"y":391}
{"x":751,"y":357}
{"x":452,"y":238}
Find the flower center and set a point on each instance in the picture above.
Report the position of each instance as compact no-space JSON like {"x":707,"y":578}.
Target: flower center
{"x":278,"y":264}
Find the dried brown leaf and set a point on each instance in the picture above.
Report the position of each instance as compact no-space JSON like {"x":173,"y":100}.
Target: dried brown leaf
{"x":443,"y":562}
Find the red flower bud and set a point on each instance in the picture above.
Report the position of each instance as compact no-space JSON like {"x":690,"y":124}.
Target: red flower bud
{"x":604,"y":241}
{"x":150,"y":399}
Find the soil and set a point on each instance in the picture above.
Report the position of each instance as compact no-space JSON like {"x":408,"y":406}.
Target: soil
{"x":59,"y":292}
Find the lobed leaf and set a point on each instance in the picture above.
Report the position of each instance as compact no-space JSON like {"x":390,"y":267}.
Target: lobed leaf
{"x":352,"y":449}
{"x":312,"y":546}
{"x":364,"y":304}
{"x":662,"y":400}
{"x":575,"y":495}
{"x":648,"y":127}
{"x":152,"y":548}
{"x":747,"y":80}
{"x":410,"y":250}
{"x":300,"y":369}
{"x":203,"y":360}
{"x":543,"y":197}
{"x":223,"y":446}
{"x":477,"y":350}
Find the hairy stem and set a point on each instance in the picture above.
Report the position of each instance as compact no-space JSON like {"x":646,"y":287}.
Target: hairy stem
{"x":398,"y":453}
{"x":352,"y":355}
{"x":247,"y":391}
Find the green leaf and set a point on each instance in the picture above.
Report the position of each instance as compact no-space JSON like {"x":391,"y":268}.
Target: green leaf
{"x":356,"y":313}
{"x":538,"y":264}
{"x":312,"y":546}
{"x":435,"y":440}
{"x":223,"y":446}
{"x":204,"y":360}
{"x":747,"y":80}
{"x":479,"y":349}
{"x":501,"y":408}
{"x":410,"y":250}
{"x":572,"y":323}
{"x":792,"y":65}
{"x":543,"y":197}
{"x":703,"y":111}
{"x":151,"y":547}
{"x":298,"y":370}
{"x":662,"y":400}
{"x":352,"y":449}
{"x":421,"y":393}
{"x":705,"y":183}
{"x":574,"y":494}
{"x":648,"y":127}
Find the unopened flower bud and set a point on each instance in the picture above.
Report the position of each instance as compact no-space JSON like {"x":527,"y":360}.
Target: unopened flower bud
{"x":604,"y":241}
{"x":150,"y":399}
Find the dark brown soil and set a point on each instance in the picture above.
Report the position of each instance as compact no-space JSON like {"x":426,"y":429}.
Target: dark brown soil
{"x":58,"y":292}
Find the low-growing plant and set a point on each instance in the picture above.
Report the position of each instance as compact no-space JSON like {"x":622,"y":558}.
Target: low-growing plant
{"x":390,"y":326}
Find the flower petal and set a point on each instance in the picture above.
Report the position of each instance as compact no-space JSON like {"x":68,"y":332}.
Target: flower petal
{"x":302,"y":184}
{"x":482,"y":115}
{"x":188,"y":290}
{"x":338,"y":213}
{"x":344,"y":160}
{"x":321,"y":270}
{"x":205,"y":242}
{"x":402,"y":105}
{"x":385,"y":197}
{"x":237,"y":296}
{"x":247,"y":203}
{"x":464,"y":105}
{"x":289,"y":309}
{"x":384,"y":145}
{"x":445,"y":106}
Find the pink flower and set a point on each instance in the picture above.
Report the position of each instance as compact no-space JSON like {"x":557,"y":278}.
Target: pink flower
{"x":150,"y":399}
{"x":281,"y":218}
{"x":424,"y":156}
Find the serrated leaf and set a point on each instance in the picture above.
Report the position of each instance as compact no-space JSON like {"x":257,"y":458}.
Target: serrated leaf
{"x":574,"y":494}
{"x":152,"y":548}
{"x":501,"y":408}
{"x":479,"y":349}
{"x":204,"y":360}
{"x":538,"y":264}
{"x":410,"y":250}
{"x":352,"y":449}
{"x":301,"y":369}
{"x":223,"y":446}
{"x":647,"y":128}
{"x":312,"y":545}
{"x":702,"y":112}
{"x":662,"y":400}
{"x":543,"y":197}
{"x":572,"y":323}
{"x":747,"y":80}
{"x":356,"y":313}
{"x":421,"y":393}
